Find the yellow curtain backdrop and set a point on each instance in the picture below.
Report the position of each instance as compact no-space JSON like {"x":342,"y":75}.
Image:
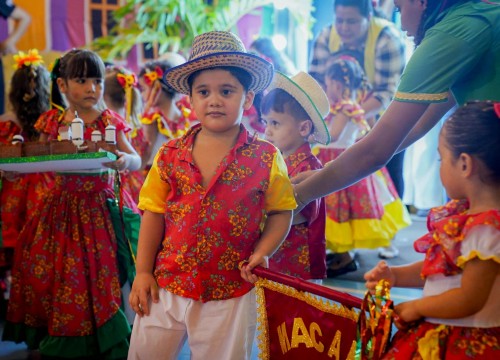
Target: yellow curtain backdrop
{"x":36,"y":34}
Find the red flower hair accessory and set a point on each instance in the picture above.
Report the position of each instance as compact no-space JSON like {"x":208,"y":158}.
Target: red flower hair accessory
{"x":126,"y":80}
{"x":496,"y":107}
{"x":32,"y":58}
{"x":151,"y":76}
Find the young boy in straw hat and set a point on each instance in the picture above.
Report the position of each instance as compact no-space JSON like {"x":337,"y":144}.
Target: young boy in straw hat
{"x":217,"y":202}
{"x":293,"y":111}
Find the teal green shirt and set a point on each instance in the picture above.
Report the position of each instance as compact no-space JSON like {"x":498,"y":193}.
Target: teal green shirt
{"x":460,"y":53}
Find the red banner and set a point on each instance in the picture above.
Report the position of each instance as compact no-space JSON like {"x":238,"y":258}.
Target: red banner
{"x":295,"y":324}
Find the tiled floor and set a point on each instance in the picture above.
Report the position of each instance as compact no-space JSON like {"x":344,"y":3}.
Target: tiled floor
{"x":11,"y":351}
{"x":351,"y":283}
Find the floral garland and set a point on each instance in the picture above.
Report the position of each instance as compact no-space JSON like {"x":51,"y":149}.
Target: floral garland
{"x":151,"y":76}
{"x":127,"y":81}
{"x":32,"y":58}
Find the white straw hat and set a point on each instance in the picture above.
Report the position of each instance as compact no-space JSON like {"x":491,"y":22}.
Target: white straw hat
{"x":311,"y":96}
{"x":220,"y":48}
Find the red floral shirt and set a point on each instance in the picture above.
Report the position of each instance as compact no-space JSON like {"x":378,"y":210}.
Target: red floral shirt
{"x":302,"y":254}
{"x":209,"y":231}
{"x":448,"y":226}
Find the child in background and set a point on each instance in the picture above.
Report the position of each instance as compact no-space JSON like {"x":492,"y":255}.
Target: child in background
{"x":369,"y":213}
{"x":293,"y":111}
{"x":165,"y":116}
{"x":65,"y":297}
{"x":122,"y":95}
{"x":216,"y":200}
{"x":458,"y":315}
{"x":265,"y":48}
{"x":20,"y":195}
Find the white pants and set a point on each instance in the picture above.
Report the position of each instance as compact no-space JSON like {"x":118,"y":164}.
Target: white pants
{"x":215,"y":330}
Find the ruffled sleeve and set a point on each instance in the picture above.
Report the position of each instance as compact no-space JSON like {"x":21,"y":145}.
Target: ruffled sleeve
{"x":48,"y":123}
{"x":482,"y":241}
{"x":110,"y":117}
{"x":7,"y":131}
{"x":455,"y":237}
{"x":441,"y":245}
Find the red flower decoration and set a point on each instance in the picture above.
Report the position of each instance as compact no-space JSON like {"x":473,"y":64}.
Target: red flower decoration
{"x":151,"y":76}
{"x":126,"y":80}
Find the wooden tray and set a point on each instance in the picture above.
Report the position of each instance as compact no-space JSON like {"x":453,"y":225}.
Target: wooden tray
{"x":64,"y":162}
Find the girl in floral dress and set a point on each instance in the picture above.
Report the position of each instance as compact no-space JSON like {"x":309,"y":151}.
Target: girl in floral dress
{"x":458,"y":315}
{"x":20,"y":195}
{"x":121,"y":95}
{"x":369,"y":213}
{"x":167,"y":114}
{"x":65,"y":297}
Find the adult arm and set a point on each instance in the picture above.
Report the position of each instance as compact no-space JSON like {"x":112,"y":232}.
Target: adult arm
{"x":8,"y":46}
{"x":429,"y":119}
{"x":367,"y":155}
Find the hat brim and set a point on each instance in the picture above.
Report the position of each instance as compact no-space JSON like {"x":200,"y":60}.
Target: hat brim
{"x":260,"y":70}
{"x":281,"y":81}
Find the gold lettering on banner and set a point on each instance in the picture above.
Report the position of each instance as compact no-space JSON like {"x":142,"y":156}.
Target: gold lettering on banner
{"x":313,"y":330}
{"x":282,"y":335}
{"x":311,"y":338}
{"x":300,"y":334}
{"x":334,"y":349}
{"x":352,"y":351}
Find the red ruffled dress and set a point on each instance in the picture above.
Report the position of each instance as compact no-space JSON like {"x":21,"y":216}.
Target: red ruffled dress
{"x":369,"y":213}
{"x":132,"y":180}
{"x":454,"y":238}
{"x":65,"y":297}
{"x":19,"y":198}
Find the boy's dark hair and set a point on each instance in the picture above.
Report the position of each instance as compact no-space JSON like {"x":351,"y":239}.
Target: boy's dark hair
{"x":30,"y":97}
{"x":280,"y":101}
{"x":474,"y":129}
{"x":77,"y":63}
{"x":365,"y":7}
{"x":241,"y":75}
